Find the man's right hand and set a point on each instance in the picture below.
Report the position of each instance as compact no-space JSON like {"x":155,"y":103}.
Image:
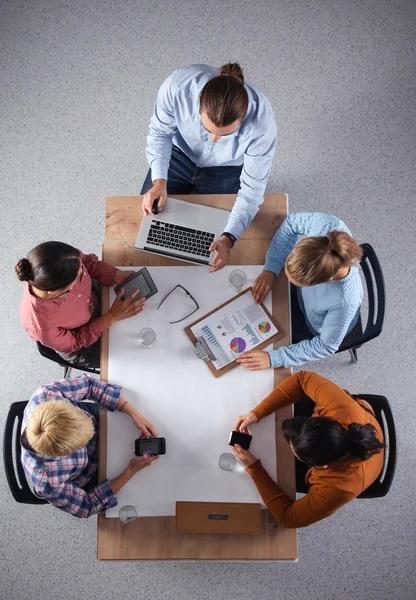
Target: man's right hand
{"x":123,"y":309}
{"x":158,"y":192}
{"x":141,"y":462}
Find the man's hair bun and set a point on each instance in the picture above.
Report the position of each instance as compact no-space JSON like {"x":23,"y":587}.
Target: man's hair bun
{"x":233,"y":70}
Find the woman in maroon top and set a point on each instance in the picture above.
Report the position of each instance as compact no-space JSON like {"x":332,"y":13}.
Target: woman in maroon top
{"x":60,"y":309}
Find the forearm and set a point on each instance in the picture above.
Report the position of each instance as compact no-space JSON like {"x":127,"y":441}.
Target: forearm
{"x":125,"y":407}
{"x":285,"y":394}
{"x":243,"y":212}
{"x":301,"y":353}
{"x":118,"y":482}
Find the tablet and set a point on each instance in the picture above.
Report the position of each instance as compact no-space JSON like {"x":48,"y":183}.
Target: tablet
{"x":140,"y":281}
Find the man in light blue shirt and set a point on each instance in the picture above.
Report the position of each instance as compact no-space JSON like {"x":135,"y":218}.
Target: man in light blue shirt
{"x":211,"y":132}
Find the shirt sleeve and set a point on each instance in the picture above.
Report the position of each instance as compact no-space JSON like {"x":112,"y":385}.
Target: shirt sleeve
{"x":334,"y":330}
{"x":84,"y":387}
{"x":322,"y":391}
{"x":69,"y":340}
{"x":101,"y":271}
{"x":320,"y":502}
{"x":305,"y":223}
{"x":256,"y":169}
{"x":162,"y":129}
{"x":78,"y":502}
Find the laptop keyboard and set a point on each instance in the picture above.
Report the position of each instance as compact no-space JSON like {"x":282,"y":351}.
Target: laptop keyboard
{"x":181,"y":239}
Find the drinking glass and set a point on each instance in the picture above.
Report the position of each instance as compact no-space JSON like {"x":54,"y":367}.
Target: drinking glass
{"x":147,"y":338}
{"x":127,"y":514}
{"x":237,"y":279}
{"x":227,"y":461}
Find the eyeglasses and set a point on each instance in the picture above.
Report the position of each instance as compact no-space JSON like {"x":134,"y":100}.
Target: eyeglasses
{"x":188,"y":294}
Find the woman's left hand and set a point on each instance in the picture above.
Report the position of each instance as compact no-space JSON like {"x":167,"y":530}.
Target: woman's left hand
{"x":245,"y":456}
{"x":255,"y":360}
{"x":120,"y":276}
{"x":144,"y":425}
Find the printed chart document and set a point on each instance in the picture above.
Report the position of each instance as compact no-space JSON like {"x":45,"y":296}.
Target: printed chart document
{"x":240,"y":326}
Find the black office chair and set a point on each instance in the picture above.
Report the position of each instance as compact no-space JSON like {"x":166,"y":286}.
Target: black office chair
{"x":384,"y":416}
{"x":15,"y":475}
{"x":376,"y":293}
{"x":54,"y":356}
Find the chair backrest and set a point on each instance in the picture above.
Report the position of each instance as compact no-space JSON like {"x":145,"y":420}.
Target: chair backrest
{"x":381,"y":406}
{"x":55,"y":357}
{"x":376,"y":291}
{"x":14,"y":471}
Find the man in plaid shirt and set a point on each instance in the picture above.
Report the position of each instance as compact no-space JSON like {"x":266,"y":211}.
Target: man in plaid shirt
{"x":59,"y":441}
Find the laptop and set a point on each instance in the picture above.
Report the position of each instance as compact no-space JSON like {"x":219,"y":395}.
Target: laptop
{"x":182,"y":230}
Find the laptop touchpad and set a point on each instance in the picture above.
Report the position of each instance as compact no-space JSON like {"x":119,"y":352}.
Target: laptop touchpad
{"x":187,"y":213}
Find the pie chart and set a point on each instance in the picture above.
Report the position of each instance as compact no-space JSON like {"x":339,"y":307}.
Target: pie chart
{"x":237,"y":345}
{"x":264,"y":327}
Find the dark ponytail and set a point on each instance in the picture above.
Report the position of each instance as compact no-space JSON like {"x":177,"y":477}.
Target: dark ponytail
{"x":224,"y":98}
{"x":50,"y":266}
{"x":362,"y":441}
{"x":319,"y":441}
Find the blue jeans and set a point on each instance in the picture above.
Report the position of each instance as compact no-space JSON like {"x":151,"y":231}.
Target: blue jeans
{"x":184,"y":177}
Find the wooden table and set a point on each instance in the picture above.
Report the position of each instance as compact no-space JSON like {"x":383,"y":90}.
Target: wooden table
{"x":150,"y":538}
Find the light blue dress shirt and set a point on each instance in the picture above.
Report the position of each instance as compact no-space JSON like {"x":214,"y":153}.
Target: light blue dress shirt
{"x":176,"y":121}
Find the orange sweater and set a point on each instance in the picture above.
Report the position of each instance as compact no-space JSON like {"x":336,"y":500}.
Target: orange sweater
{"x":334,"y":486}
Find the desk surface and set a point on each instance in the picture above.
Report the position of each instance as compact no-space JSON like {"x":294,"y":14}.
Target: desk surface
{"x":156,"y":537}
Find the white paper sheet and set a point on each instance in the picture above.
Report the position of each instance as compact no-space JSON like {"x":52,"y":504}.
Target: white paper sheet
{"x":192,"y":409}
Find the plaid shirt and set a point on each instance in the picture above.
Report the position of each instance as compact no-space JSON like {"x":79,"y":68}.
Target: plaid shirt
{"x":61,"y":480}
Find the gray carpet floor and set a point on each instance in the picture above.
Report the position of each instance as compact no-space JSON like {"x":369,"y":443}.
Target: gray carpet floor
{"x":78,"y":81}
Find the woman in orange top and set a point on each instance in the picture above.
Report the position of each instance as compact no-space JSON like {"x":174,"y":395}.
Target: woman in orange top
{"x":342,"y":442}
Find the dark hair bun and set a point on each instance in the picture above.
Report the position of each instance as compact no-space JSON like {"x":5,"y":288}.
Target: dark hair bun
{"x":233,"y":70}
{"x":24,"y":270}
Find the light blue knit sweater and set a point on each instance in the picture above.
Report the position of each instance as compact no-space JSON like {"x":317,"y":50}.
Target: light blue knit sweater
{"x":330,"y":307}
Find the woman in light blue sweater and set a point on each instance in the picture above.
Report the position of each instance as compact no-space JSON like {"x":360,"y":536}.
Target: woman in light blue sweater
{"x":325,"y":269}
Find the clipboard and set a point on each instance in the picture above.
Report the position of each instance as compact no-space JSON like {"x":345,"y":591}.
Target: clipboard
{"x":202,"y":350}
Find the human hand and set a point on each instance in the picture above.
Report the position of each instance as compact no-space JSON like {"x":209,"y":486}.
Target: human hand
{"x":255,"y":360}
{"x":245,"y":456}
{"x":158,"y":191}
{"x":123,"y":309}
{"x":263,"y":285}
{"x":243,"y":421}
{"x":222,"y":248}
{"x":143,"y":424}
{"x":141,"y":462}
{"x":120,"y":276}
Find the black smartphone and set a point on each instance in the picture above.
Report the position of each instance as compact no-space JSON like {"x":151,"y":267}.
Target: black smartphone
{"x":151,"y":445}
{"x":242,"y":439}
{"x":140,"y":281}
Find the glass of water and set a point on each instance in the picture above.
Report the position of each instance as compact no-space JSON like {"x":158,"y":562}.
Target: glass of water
{"x":237,"y":279}
{"x":227,"y":461}
{"x":127,"y":514}
{"x":147,"y":338}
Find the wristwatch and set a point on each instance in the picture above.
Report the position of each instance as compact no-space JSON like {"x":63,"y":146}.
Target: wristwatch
{"x":231,"y":237}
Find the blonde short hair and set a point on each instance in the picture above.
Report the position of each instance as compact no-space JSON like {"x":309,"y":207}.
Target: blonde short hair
{"x":317,"y":259}
{"x":58,"y":428}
